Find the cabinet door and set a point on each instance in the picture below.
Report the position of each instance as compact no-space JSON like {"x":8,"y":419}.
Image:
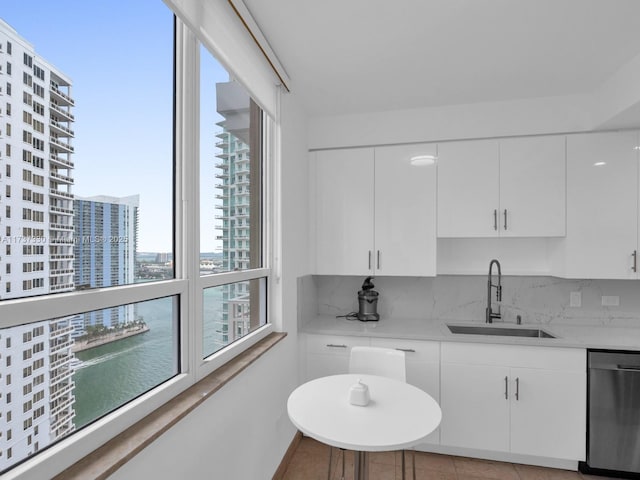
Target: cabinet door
{"x":475,"y":412}
{"x":468,"y":189}
{"x":405,"y":212}
{"x":602,"y":197}
{"x":344,"y":211}
{"x":548,"y":418}
{"x":532,"y":187}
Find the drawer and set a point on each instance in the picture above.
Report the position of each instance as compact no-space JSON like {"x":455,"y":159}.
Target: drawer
{"x":524,"y":356}
{"x":334,"y":344}
{"x":415,"y":350}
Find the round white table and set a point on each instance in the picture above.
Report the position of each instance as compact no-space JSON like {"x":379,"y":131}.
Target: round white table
{"x":398,"y":416}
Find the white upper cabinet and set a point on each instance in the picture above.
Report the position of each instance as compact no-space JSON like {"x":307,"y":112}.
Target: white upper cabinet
{"x":502,"y":188}
{"x":533,"y":187}
{"x":374,"y":211}
{"x":468,"y":189}
{"x":602,"y":206}
{"x":343,"y":181}
{"x":405,"y":211}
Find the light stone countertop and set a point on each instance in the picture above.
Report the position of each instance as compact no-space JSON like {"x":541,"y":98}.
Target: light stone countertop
{"x":567,"y":335}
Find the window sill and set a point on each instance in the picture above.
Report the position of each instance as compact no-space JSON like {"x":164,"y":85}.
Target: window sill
{"x":104,"y":461}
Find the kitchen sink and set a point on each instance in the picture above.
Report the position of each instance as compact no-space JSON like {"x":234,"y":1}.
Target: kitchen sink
{"x":499,"y":331}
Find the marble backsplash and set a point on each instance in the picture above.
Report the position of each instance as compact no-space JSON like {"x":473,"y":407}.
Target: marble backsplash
{"x":539,"y":300}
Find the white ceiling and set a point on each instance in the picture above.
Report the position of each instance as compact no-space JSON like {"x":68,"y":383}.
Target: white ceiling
{"x":353,"y":56}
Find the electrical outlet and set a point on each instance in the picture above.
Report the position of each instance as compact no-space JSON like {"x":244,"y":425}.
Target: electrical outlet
{"x":610,"y":301}
{"x":575,"y":299}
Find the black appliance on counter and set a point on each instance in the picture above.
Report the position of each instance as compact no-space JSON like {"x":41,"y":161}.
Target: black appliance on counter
{"x":613,"y":429}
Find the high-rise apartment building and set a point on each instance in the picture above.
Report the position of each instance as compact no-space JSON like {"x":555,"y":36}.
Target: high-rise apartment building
{"x":36,"y":216}
{"x":36,"y":246}
{"x":106,"y":233}
{"x":233,"y":103}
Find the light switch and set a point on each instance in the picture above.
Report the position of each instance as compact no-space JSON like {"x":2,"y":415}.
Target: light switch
{"x":575,"y":299}
{"x":610,"y":300}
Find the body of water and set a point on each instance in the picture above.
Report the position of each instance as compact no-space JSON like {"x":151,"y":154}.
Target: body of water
{"x":113,"y":374}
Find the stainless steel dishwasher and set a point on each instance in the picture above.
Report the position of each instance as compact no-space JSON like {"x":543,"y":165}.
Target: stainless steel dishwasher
{"x":614,"y":412}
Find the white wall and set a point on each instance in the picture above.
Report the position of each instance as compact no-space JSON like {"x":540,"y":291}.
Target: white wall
{"x":243,"y":431}
{"x":517,"y":117}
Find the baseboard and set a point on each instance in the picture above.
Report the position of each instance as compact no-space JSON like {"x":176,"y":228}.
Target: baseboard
{"x":282,"y":468}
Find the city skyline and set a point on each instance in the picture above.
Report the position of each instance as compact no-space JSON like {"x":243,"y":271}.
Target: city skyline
{"x":138,"y":155}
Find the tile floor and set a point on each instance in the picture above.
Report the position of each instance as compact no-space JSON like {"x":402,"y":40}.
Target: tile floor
{"x":311,"y":459}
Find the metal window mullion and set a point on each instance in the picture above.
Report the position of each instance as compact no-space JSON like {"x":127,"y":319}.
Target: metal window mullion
{"x":47,"y":307}
{"x":218,"y":279}
{"x":186,"y":228}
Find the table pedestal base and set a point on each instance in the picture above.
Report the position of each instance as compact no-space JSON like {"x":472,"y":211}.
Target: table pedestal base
{"x":361,"y":465}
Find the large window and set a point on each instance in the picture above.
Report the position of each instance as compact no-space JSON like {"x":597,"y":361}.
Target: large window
{"x":231,"y":207}
{"x":104,"y":307}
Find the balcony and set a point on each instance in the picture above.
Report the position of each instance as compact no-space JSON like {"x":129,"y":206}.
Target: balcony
{"x":55,"y":347}
{"x":59,"y":256}
{"x":61,"y":194}
{"x":59,"y":210}
{"x":60,"y":374}
{"x":61,"y":406}
{"x":61,"y":98}
{"x":58,"y":390}
{"x":61,"y":271}
{"x":62,"y":178}
{"x":57,"y":143}
{"x":222,"y":176}
{"x":222,"y":195}
{"x":60,"y":129}
{"x":65,"y":114}
{"x":60,"y":162}
{"x":61,"y":226}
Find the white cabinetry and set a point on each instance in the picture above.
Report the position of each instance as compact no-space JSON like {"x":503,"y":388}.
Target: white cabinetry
{"x":602,"y":206}
{"x":343,"y":181}
{"x":374,"y":211}
{"x":523,"y":400}
{"x":502,"y":188}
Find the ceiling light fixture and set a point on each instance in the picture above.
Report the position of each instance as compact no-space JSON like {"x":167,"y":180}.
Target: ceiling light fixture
{"x":423,"y":160}
{"x":599,"y":164}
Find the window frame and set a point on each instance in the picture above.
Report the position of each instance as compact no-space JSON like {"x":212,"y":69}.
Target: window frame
{"x":187,"y":285}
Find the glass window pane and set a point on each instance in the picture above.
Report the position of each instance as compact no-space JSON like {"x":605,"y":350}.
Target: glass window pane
{"x":59,"y":375}
{"x":230,"y":172}
{"x":232,"y":311}
{"x":89,"y":163}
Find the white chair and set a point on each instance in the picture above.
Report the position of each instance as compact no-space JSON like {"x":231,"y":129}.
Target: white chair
{"x":385,"y":362}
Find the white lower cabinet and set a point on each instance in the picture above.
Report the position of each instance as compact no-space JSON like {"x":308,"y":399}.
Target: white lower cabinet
{"x":518,"y":399}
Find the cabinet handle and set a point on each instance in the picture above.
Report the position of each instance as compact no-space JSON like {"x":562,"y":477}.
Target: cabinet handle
{"x":378,"y":267}
{"x":495,"y":219}
{"x":505,"y":218}
{"x":517,"y":388}
{"x":506,"y":388}
{"x":332,"y":345}
{"x":407,"y":350}
{"x":635,"y":261}
{"x":369,"y":259}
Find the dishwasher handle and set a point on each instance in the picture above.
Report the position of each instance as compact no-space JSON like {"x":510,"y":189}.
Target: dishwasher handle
{"x":629,"y":368}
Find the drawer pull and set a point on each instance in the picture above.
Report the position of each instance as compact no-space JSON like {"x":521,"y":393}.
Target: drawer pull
{"x":506,"y":388}
{"x":332,"y":345}
{"x":407,"y":350}
{"x":517,"y":388}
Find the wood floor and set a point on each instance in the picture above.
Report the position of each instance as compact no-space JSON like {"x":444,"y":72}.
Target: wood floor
{"x":311,"y":458}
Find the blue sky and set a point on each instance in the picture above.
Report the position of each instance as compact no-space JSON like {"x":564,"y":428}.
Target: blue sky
{"x":119,"y":56}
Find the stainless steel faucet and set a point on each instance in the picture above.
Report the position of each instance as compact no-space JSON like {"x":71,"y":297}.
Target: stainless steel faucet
{"x":490,"y":314}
